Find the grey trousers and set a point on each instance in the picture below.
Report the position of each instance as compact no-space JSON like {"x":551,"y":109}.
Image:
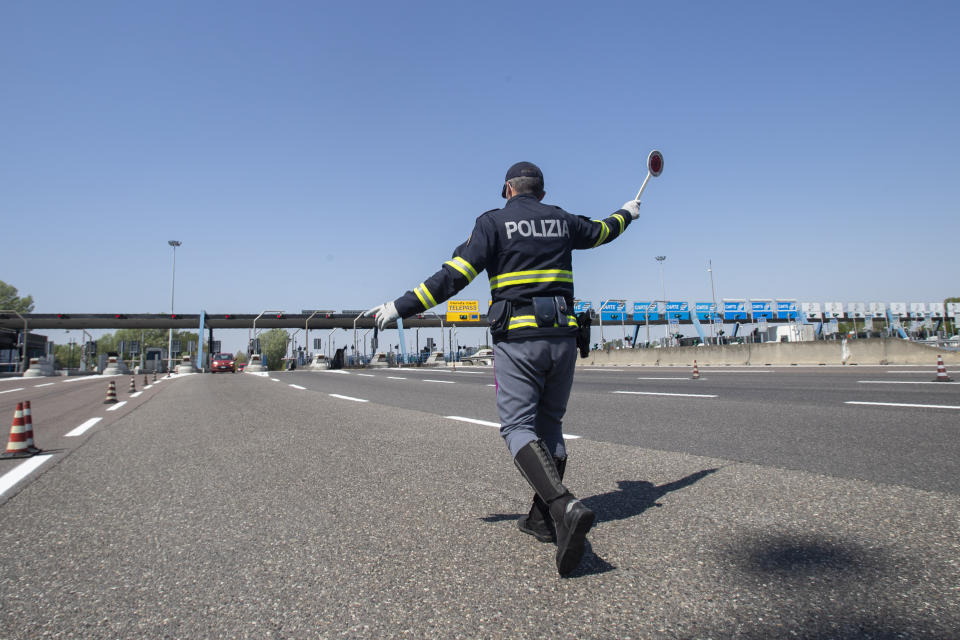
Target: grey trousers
{"x":534,"y":377}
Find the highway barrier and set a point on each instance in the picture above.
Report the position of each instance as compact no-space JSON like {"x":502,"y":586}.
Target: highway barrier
{"x":17,"y":444}
{"x":875,"y":351}
{"x":111,"y":393}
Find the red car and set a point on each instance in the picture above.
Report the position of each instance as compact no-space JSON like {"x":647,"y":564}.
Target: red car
{"x":223,"y":362}
{"x":241,"y":366}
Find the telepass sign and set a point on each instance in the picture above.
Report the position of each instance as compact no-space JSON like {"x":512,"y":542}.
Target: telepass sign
{"x":463,"y":311}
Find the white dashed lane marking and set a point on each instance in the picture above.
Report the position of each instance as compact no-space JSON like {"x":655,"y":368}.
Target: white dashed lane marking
{"x":12,"y":390}
{"x":117,"y":406}
{"x":899,"y":404}
{"x":37,"y":386}
{"x":366,"y":375}
{"x":487,"y":423}
{"x":296,"y":386}
{"x":440,"y":381}
{"x":337,"y":395}
{"x":79,"y":431}
{"x":654,"y":393}
{"x":902,"y":382}
{"x":395,"y":378}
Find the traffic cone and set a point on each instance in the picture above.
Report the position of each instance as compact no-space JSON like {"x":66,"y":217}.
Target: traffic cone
{"x":28,"y":425}
{"x":17,"y":445}
{"x":696,"y":371}
{"x":145,"y":380}
{"x":942,"y":372}
{"x":154,"y":375}
{"x":111,"y":393}
{"x":133,"y":386}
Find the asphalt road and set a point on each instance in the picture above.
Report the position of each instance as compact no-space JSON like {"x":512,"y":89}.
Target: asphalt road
{"x":791,"y":417}
{"x":237,"y":506}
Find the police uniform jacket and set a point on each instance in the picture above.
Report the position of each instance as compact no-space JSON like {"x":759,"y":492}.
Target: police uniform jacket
{"x":526,"y":249}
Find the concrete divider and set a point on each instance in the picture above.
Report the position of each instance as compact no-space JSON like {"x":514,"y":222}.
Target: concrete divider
{"x":39,"y":367}
{"x":435,"y":359}
{"x":822,"y":352}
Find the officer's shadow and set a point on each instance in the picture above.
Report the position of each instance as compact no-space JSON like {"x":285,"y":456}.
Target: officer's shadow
{"x":632,"y":498}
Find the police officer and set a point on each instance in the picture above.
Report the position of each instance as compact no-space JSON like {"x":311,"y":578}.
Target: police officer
{"x":526,"y":248}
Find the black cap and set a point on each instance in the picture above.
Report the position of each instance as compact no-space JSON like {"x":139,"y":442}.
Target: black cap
{"x":521,"y":170}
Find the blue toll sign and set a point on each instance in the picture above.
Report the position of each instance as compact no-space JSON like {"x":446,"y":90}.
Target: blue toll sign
{"x":761,"y":309}
{"x":678,"y":311}
{"x":707,"y":312}
{"x":787,"y":309}
{"x":579,"y":306}
{"x":734,"y":310}
{"x":613,"y":311}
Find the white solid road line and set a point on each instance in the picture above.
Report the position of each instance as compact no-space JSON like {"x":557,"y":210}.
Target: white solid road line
{"x":79,"y":431}
{"x":664,"y":378}
{"x":900,"y":404}
{"x":36,"y":386}
{"x":134,"y":395}
{"x":491,"y":385}
{"x":440,"y":381}
{"x":337,"y":395}
{"x":366,"y":375}
{"x":296,"y":386}
{"x":117,"y":406}
{"x":395,"y":378}
{"x":712,"y":370}
{"x":12,"y":390}
{"x":21,"y":471}
{"x":487,"y":423}
{"x":274,"y":379}
{"x":899,"y":372}
{"x":657,"y":393}
{"x":902,"y":382}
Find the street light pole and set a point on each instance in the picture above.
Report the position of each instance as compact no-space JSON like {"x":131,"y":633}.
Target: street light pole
{"x":173,"y":283}
{"x":713,"y":293}
{"x":663,"y":292}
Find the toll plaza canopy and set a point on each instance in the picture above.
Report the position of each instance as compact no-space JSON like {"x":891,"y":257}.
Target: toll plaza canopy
{"x":321,"y":320}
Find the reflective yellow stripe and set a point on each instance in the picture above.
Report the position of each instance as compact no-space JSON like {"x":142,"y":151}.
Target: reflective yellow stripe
{"x":620,"y":220}
{"x":604,"y":232}
{"x":468,"y":266}
{"x":456,"y":264}
{"x":541,"y":275}
{"x":416,"y":290}
{"x":531,"y":280}
{"x":524,"y":322}
{"x":433,"y":302}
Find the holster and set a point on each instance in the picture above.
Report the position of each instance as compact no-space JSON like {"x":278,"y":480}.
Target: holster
{"x":499,"y":317}
{"x":584,"y":322}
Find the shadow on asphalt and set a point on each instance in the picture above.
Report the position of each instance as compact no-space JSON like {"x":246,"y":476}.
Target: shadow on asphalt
{"x":636,"y":496}
{"x":631,"y":499}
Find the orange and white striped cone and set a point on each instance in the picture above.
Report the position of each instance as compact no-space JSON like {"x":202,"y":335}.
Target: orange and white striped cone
{"x":28,"y":424}
{"x":17,"y":444}
{"x":942,"y":371}
{"x":111,"y":393}
{"x":696,"y":371}
{"x":133,"y":386}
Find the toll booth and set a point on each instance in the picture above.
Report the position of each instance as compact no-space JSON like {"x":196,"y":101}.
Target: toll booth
{"x":734,"y":310}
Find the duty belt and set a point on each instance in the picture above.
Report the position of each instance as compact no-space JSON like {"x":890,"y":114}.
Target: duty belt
{"x":522,"y":318}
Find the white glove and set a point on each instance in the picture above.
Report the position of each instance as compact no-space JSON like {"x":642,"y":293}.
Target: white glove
{"x":633,"y":208}
{"x":386,"y":313}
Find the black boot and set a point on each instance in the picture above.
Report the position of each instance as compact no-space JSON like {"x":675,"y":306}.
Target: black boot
{"x":538,"y":522}
{"x":570,"y":517}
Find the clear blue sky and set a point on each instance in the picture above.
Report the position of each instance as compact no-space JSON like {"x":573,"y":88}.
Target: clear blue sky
{"x":318,"y":155}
